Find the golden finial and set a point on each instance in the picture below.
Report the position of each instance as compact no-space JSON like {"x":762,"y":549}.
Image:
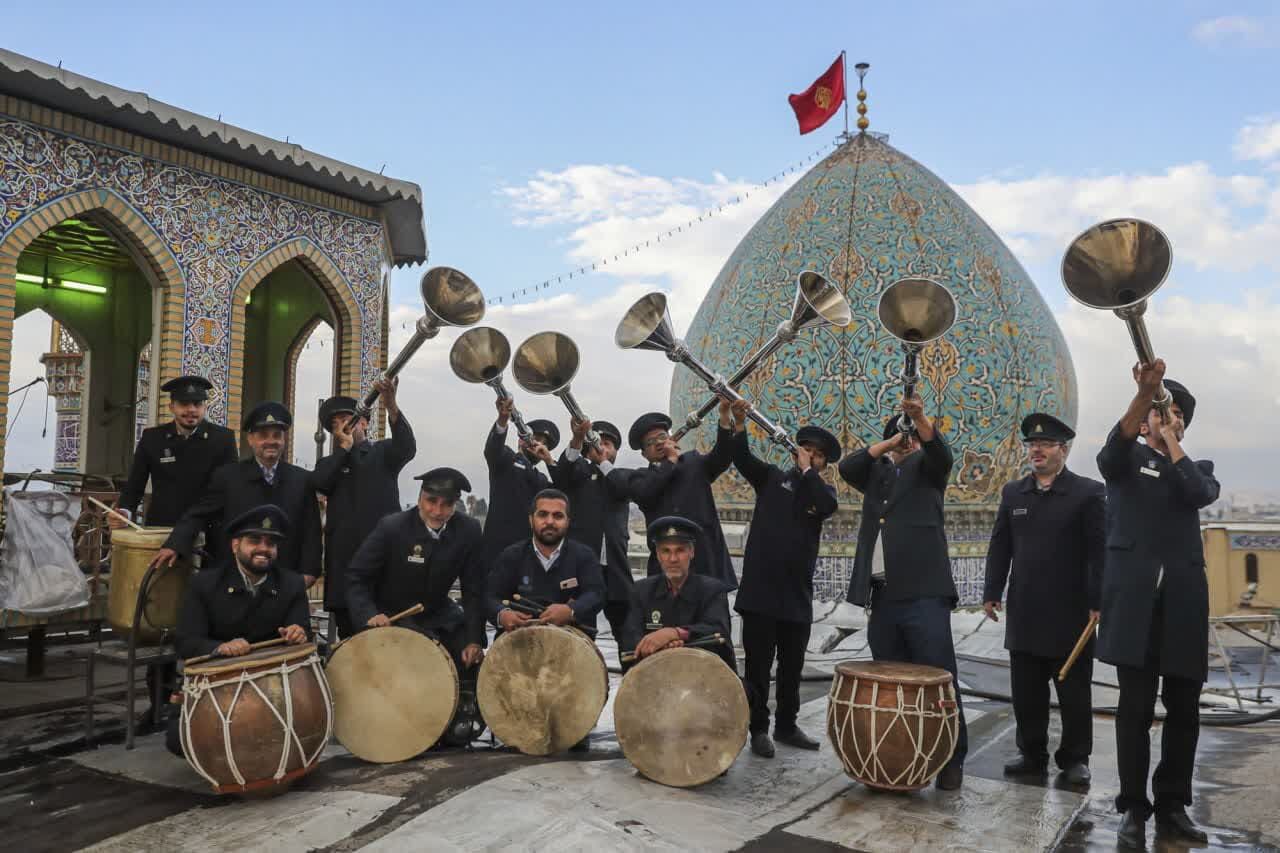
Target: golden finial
{"x":863,"y":121}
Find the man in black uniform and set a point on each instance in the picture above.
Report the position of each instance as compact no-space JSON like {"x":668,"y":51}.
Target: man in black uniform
{"x":676,"y":606}
{"x":415,"y":556}
{"x":600,"y":511}
{"x":264,"y":479}
{"x":360,"y":481}
{"x":1051,"y":529}
{"x":246,"y":599}
{"x":514,"y":479}
{"x":776,"y":595}
{"x":1155,"y":603}
{"x":902,"y":570}
{"x":556,"y":573}
{"x":676,"y":483}
{"x":178,"y":457}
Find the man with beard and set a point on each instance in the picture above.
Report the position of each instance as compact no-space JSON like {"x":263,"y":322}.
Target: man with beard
{"x":359,"y":481}
{"x":675,"y":607}
{"x":514,"y":479}
{"x":600,"y":511}
{"x":178,"y":457}
{"x":902,"y":570}
{"x":679,"y":484}
{"x":1155,"y":603}
{"x":776,"y":595}
{"x":238,"y":487}
{"x":246,"y":599}
{"x":415,"y":557}
{"x":1048,"y":543}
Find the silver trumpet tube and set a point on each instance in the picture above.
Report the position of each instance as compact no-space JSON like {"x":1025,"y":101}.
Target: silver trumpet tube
{"x":817,"y":303}
{"x":545,"y":364}
{"x":318,"y":435}
{"x":480,"y":355}
{"x":916,"y":311}
{"x":647,"y":325}
{"x":449,"y":298}
{"x":1115,"y":266}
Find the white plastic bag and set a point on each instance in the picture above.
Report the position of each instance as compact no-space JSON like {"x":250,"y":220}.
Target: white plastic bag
{"x":38,"y":571}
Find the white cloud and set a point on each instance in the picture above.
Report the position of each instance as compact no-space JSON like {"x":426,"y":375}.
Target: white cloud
{"x":1231,"y":30}
{"x":1259,"y":139}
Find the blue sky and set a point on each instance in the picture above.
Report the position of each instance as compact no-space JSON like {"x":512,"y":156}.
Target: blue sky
{"x":1045,"y":117}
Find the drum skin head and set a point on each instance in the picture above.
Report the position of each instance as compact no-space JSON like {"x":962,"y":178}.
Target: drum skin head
{"x":894,"y":672}
{"x":394,"y":693}
{"x":681,"y":716}
{"x":541,"y":689}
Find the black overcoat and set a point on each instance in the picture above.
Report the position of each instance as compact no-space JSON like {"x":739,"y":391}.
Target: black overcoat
{"x":513,"y":481}
{"x":574,"y":579}
{"x":217,"y":609}
{"x":179,"y":469}
{"x":701,"y":608}
{"x":598,"y":518}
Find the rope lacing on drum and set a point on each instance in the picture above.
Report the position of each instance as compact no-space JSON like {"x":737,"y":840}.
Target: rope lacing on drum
{"x":199,"y":687}
{"x":869,"y":765}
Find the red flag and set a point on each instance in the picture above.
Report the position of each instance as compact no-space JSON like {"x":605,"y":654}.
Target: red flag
{"x":820,"y":101}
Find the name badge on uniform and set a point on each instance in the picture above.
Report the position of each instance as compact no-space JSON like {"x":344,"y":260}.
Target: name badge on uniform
{"x":1022,"y":510}
{"x":1150,"y":472}
{"x":569,"y":583}
{"x":416,"y":556}
{"x":786,"y":484}
{"x":167,"y":456}
{"x":595,"y":476}
{"x":519,"y":464}
{"x":346,"y":470}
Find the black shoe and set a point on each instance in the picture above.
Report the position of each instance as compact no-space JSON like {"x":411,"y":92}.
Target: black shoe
{"x":1133,"y":831}
{"x":582,"y":745}
{"x":762,"y":744}
{"x":796,"y":738}
{"x":951,"y":778}
{"x":1176,"y":825}
{"x":1025,"y":766}
{"x":1077,"y":774}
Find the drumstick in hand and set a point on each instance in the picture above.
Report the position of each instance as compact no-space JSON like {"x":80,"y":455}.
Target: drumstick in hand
{"x":1080,"y":644}
{"x":253,"y":647}
{"x":412,"y":611}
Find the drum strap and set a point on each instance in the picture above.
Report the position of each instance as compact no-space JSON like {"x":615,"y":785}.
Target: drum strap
{"x":197,"y":688}
{"x":883,"y":720}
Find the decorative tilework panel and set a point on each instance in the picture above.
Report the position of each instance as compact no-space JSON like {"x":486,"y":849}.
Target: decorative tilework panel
{"x":1255,"y":541}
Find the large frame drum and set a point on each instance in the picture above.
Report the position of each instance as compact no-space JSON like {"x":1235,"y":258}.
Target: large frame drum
{"x":131,"y":554}
{"x":541,"y":689}
{"x":256,"y":722}
{"x":394,"y":692}
{"x":681,"y":716}
{"x":894,"y":725}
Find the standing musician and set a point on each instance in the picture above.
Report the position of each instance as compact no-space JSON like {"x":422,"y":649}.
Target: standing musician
{"x":901,"y":570}
{"x":1155,"y":602}
{"x":676,"y":483}
{"x":415,"y":556}
{"x":1050,"y":531}
{"x":245,"y":599}
{"x":776,"y":595}
{"x":555,"y":573}
{"x":237,"y":487}
{"x":178,"y":457}
{"x":514,"y":479}
{"x":676,"y":606}
{"x":600,"y":511}
{"x":359,"y":481}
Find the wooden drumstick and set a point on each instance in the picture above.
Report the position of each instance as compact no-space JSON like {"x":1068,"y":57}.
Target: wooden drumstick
{"x":521,"y":607}
{"x":412,"y":611}
{"x":117,"y":514}
{"x":253,"y":647}
{"x":1080,"y":644}
{"x":702,"y":643}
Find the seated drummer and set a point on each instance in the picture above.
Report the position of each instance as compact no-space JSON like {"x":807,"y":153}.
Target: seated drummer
{"x":558,"y":579}
{"x":414,"y":557}
{"x":247,"y":600}
{"x":676,"y":607}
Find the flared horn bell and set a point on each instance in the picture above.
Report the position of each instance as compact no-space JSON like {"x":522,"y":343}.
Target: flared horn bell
{"x":451,"y":297}
{"x":1117,"y":264}
{"x":545,"y":363}
{"x":646,"y":325}
{"x":818,"y":301}
{"x":916,"y":310}
{"x":480,"y":354}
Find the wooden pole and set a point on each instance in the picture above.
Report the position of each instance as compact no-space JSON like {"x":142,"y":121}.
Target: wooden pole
{"x":117,"y":514}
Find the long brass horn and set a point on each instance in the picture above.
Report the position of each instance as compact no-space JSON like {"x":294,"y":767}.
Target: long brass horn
{"x":647,"y":325}
{"x":480,"y":355}
{"x":449,"y":298}
{"x":545,"y":364}
{"x":1115,"y":266}
{"x":817,"y":303}
{"x":916,"y":311}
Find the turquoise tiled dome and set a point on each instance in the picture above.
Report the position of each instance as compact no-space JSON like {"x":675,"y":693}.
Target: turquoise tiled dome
{"x":864,"y":217}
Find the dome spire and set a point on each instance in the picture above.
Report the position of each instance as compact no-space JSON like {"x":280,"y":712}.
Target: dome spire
{"x":863,"y":121}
